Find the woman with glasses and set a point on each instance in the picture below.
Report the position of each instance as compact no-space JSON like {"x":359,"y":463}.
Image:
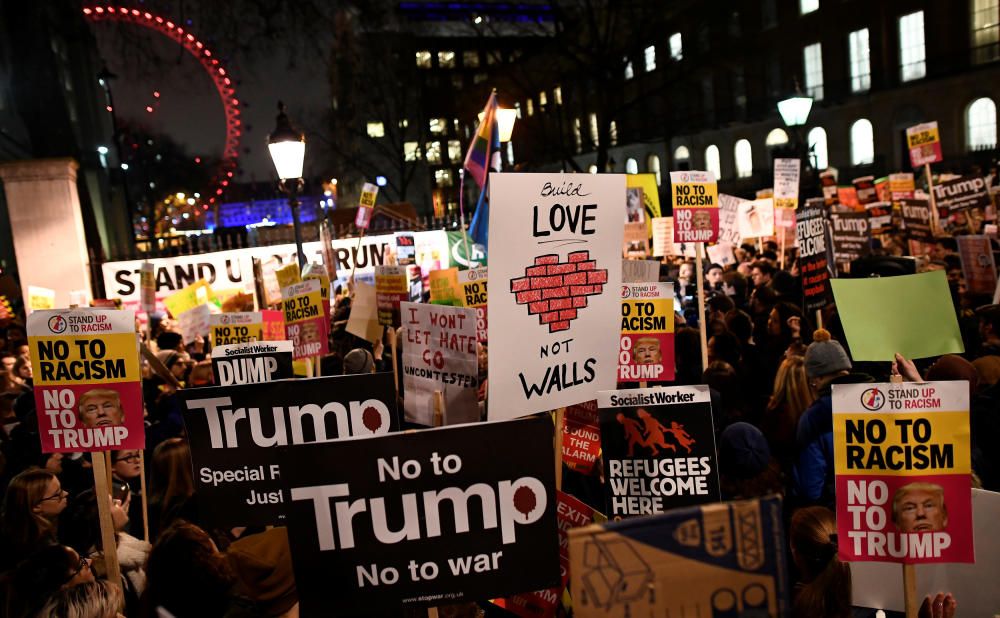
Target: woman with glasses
{"x":127,"y":466}
{"x":43,"y":575}
{"x":31,"y":509}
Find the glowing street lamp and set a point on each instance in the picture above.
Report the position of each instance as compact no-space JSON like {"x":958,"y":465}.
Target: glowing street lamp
{"x":288,"y":151}
{"x":505,"y":122}
{"x":795,"y":110}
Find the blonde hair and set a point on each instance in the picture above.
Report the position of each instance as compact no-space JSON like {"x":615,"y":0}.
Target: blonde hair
{"x":98,"y":599}
{"x":21,"y":524}
{"x":791,"y":387}
{"x":931,"y":488}
{"x":104,"y":393}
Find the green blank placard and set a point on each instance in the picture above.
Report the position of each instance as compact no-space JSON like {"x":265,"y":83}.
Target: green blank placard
{"x":911,"y":314}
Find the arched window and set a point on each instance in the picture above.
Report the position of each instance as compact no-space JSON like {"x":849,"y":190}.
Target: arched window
{"x":682,"y":154}
{"x":817,"y":147}
{"x":631,"y":166}
{"x":744,"y":158}
{"x":862,"y":143}
{"x":713,"y":163}
{"x":777,"y":137}
{"x":653,"y":167}
{"x":981,"y":125}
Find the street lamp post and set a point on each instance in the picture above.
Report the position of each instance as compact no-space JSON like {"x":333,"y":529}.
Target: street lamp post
{"x":288,"y":150}
{"x":795,"y":112}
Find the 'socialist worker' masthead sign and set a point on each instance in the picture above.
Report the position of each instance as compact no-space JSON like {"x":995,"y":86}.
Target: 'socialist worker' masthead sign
{"x":647,"y":342}
{"x":430,"y":518}
{"x":659,"y":449}
{"x":903,"y":472}
{"x":696,"y":206}
{"x":87,"y":381}
{"x":555,"y":295}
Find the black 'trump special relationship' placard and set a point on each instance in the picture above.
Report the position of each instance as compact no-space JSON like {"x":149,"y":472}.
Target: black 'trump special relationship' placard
{"x":251,"y":363}
{"x":428,"y":518}
{"x":233,"y":432}
{"x":659,"y":449}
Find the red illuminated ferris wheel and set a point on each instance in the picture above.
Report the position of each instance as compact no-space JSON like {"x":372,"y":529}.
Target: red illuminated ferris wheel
{"x":211,"y":64}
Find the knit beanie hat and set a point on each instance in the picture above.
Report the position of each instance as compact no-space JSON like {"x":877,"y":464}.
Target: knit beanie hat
{"x":743,"y":451}
{"x":825,"y":356}
{"x":358,"y":361}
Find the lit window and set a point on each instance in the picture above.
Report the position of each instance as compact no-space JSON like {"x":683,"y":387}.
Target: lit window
{"x":981,"y":125}
{"x":653,"y":167}
{"x":434,"y":153}
{"x":510,"y":153}
{"x":713,"y":162}
{"x":442,"y":178}
{"x":592,"y":169}
{"x":446,"y":59}
{"x":530,"y":106}
{"x":376,"y":129}
{"x":411,"y":151}
{"x":813,"y":57}
{"x":631,"y":166}
{"x":404,"y":123}
{"x":649,"y":57}
{"x":543,"y":100}
{"x":470,"y":59}
{"x":744,"y":159}
{"x":860,"y":59}
{"x":454,"y":150}
{"x":438,"y":125}
{"x":681,"y":154}
{"x":424,"y":59}
{"x":577,"y":135}
{"x":777,"y":137}
{"x":479,"y":78}
{"x":912,"y":54}
{"x":817,"y":148}
{"x":613,"y":133}
{"x":985,"y":30}
{"x":676,"y":46}
{"x":808,"y":6}
{"x":629,"y":73}
{"x":594,"y":135}
{"x":557,"y":95}
{"x":517,"y":108}
{"x":862,"y":143}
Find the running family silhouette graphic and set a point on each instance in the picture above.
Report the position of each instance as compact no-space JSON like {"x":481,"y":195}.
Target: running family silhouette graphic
{"x":649,"y":433}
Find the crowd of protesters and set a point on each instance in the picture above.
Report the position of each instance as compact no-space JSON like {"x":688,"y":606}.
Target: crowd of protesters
{"x":770,"y":370}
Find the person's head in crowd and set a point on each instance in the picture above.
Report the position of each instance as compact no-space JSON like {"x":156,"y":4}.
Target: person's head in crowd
{"x":825,"y":360}
{"x":201,"y":374}
{"x":770,"y":245}
{"x":761,"y":273}
{"x":22,"y":369}
{"x":170,"y":340}
{"x":686,"y":273}
{"x":98,"y":599}
{"x":746,"y":468}
{"x":777,"y":322}
{"x":7,"y":360}
{"x":718,"y":306}
{"x":770,"y":256}
{"x":746,"y":252}
{"x":762,"y":299}
{"x":332,"y":365}
{"x":80,"y":523}
{"x":727,"y":398}
{"x":187,"y":575}
{"x":791,"y":387}
{"x":745,"y":269}
{"x":826,"y":581}
{"x":176,"y":362}
{"x":170,"y":476}
{"x":740,"y":325}
{"x":263,"y":566}
{"x":53,"y":462}
{"x":100,"y":407}
{"x":785,"y":285}
{"x":358,"y":361}
{"x":988,"y":369}
{"x":919,"y":507}
{"x":954,"y":367}
{"x":126,"y":465}
{"x":44,"y":574}
{"x":989,"y":327}
{"x":724,"y":347}
{"x":7,"y":406}
{"x":736,"y":281}
{"x":21,"y":348}
{"x":482,"y":358}
{"x":713,"y":275}
{"x":31,"y":509}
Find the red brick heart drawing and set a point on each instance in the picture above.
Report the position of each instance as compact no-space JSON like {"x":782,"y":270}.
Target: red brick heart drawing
{"x":555,"y":291}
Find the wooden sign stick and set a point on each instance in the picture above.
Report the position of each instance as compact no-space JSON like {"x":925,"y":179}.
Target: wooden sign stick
{"x":819,"y":318}
{"x":909,"y":570}
{"x":392,"y":350}
{"x":560,"y":420}
{"x":702,"y":327}
{"x":935,"y":218}
{"x":438,"y":408}
{"x":102,"y":489}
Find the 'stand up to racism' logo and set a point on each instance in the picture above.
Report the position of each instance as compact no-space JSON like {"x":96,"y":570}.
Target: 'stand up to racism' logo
{"x":555,"y":291}
{"x":57,"y":324}
{"x":872,"y":399}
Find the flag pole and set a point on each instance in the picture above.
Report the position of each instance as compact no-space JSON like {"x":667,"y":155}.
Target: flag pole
{"x":461,"y":214}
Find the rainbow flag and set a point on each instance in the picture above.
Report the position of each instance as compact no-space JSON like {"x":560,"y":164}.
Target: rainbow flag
{"x":477,"y":159}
